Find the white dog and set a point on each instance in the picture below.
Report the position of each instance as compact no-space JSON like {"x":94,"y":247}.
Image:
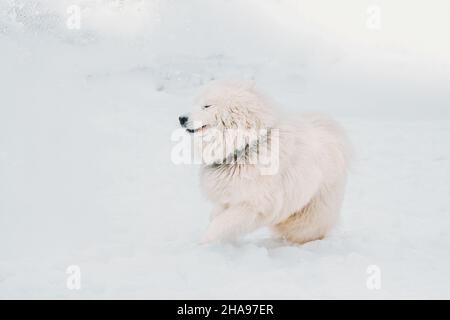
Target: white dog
{"x":297,"y":193}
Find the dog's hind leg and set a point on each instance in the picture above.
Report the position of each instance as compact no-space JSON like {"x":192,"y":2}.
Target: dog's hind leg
{"x":314,"y":220}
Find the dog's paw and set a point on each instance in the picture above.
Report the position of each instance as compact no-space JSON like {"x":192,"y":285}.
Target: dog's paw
{"x":213,"y":235}
{"x":206,"y":239}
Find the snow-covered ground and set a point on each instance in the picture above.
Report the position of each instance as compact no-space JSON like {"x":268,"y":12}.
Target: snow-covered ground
{"x":86,"y":117}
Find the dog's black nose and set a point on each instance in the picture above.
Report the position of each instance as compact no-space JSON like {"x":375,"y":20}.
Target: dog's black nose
{"x":183,"y":120}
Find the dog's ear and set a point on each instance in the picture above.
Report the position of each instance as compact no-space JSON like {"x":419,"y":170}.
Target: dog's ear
{"x":242,"y":84}
{"x":247,"y":84}
{"x":251,"y":84}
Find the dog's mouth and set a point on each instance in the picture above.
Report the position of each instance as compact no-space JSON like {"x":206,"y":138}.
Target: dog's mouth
{"x":201,"y":129}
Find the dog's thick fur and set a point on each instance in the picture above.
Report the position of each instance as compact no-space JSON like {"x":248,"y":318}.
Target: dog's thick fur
{"x":301,"y":201}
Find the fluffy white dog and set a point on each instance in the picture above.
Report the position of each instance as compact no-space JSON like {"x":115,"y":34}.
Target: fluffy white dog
{"x":260,"y":170}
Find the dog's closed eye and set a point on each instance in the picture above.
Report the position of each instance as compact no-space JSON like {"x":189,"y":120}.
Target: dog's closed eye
{"x":207,"y":106}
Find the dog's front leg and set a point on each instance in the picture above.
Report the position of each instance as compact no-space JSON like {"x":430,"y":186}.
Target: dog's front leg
{"x":216,"y":212}
{"x":232,"y":223}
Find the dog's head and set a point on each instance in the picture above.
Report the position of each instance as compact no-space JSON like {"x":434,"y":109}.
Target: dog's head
{"x":226,"y":106}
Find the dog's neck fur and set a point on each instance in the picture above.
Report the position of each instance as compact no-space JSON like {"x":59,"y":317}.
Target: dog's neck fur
{"x":239,"y":158}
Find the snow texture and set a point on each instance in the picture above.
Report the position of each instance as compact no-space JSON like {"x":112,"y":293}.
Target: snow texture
{"x":86,"y":117}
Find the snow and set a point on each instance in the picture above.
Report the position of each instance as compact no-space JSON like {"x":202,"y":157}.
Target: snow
{"x":86,"y":118}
